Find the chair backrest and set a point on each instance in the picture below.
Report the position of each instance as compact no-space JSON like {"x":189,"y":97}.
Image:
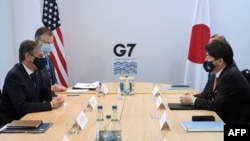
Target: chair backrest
{"x":246,"y":73}
{"x":0,"y":96}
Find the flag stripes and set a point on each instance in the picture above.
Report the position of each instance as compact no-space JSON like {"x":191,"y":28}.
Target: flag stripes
{"x":52,"y":21}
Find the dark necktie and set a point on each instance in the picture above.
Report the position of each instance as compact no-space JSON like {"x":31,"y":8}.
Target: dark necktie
{"x":33,"y":78}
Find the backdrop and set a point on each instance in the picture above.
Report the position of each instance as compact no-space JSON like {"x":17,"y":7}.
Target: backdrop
{"x":157,"y":31}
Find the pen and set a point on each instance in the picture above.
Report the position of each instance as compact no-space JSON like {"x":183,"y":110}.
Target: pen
{"x":73,"y":95}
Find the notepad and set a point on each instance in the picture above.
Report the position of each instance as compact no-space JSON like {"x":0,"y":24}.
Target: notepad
{"x":192,"y":126}
{"x":40,"y":129}
{"x":24,"y":124}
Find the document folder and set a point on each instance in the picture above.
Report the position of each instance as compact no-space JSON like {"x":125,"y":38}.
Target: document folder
{"x":192,"y":126}
{"x":178,"y":87}
{"x":179,"y":106}
{"x":40,"y":129}
{"x":24,"y":124}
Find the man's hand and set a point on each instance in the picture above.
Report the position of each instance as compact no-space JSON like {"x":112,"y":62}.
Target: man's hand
{"x":186,"y":99}
{"x":57,"y":102}
{"x":58,"y":88}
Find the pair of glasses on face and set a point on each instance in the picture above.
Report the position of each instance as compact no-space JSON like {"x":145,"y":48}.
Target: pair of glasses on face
{"x":39,"y":56}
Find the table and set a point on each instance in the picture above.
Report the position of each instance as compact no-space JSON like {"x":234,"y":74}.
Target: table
{"x":134,"y":113}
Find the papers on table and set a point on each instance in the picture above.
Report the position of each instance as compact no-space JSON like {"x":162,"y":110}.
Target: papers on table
{"x":191,"y":126}
{"x":90,"y":86}
{"x":77,"y":90}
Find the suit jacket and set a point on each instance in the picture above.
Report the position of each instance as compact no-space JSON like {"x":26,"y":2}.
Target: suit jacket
{"x":231,"y":97}
{"x":20,"y":96}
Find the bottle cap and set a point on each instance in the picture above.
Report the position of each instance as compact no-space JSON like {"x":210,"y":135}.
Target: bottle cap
{"x":99,"y":107}
{"x":108,"y":116}
{"x":114,"y":106}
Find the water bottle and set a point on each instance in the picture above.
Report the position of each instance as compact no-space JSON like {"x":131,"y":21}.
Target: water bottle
{"x":131,"y":81}
{"x":99,"y":129}
{"x":115,"y":129}
{"x":106,"y":127}
{"x":122,"y":81}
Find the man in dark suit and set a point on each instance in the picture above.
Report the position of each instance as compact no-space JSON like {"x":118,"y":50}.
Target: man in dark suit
{"x":45,"y":37}
{"x":24,"y":90}
{"x":227,"y":91}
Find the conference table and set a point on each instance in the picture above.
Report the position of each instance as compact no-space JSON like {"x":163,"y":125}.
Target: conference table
{"x":134,"y":112}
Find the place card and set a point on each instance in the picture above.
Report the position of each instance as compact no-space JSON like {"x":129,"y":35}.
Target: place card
{"x":65,"y":138}
{"x":93,"y":102}
{"x":156,"y":91}
{"x":164,"y":121}
{"x":159,"y":103}
{"x":104,"y":89}
{"x":81,"y":120}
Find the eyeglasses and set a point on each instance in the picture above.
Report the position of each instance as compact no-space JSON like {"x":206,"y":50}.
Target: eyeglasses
{"x":40,"y":56}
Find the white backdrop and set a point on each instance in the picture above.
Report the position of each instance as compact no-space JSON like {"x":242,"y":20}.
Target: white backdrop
{"x":160,"y":28}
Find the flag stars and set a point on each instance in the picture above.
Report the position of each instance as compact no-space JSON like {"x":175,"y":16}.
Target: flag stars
{"x":50,"y":14}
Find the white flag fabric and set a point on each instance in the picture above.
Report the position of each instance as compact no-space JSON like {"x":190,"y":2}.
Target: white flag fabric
{"x":195,"y":75}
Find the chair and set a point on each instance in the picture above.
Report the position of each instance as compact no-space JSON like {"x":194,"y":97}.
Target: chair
{"x":246,"y":73}
{"x":0,"y":94}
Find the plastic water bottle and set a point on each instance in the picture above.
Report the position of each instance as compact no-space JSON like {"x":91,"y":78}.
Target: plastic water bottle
{"x":99,"y":129}
{"x":131,"y":81}
{"x":115,"y":128}
{"x":106,"y":127}
{"x":122,"y":81}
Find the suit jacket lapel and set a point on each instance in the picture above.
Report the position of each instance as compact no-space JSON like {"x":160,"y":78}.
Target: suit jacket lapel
{"x":29,"y":82}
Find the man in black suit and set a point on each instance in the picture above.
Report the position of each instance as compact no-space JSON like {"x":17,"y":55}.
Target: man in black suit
{"x":24,"y":91}
{"x":45,"y":37}
{"x":227,"y":91}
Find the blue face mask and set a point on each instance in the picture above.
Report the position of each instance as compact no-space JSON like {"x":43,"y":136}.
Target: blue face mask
{"x":47,"y":48}
{"x":40,"y":62}
{"x":208,"y":66}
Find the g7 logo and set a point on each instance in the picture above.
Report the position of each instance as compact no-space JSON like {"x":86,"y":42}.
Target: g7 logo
{"x":120,"y":49}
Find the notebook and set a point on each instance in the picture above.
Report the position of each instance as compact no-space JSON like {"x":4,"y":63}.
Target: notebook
{"x":179,"y":106}
{"x":40,"y":129}
{"x":192,"y":126}
{"x":24,"y":124}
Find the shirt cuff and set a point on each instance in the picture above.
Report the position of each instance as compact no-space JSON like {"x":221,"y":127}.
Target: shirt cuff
{"x":193,"y":101}
{"x":51,"y":104}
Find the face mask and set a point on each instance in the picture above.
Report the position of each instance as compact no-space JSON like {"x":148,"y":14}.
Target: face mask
{"x":47,"y":48}
{"x":208,"y":66}
{"x":40,"y":62}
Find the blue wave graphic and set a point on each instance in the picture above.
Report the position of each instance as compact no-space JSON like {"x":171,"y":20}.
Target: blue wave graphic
{"x":126,"y":67}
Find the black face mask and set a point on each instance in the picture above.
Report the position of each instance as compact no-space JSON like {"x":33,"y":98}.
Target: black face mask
{"x":40,"y":62}
{"x":208,"y":66}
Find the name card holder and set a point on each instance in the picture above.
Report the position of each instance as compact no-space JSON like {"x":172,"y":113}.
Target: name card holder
{"x":156,"y":91}
{"x":159,"y":103}
{"x":92,"y":102}
{"x":104,"y":89}
{"x":81,"y":120}
{"x":164,"y":121}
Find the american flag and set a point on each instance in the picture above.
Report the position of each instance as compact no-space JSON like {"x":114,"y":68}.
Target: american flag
{"x":51,"y":20}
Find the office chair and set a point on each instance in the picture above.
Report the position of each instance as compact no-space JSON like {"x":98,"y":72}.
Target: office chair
{"x":246,"y":73}
{"x":0,"y":94}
